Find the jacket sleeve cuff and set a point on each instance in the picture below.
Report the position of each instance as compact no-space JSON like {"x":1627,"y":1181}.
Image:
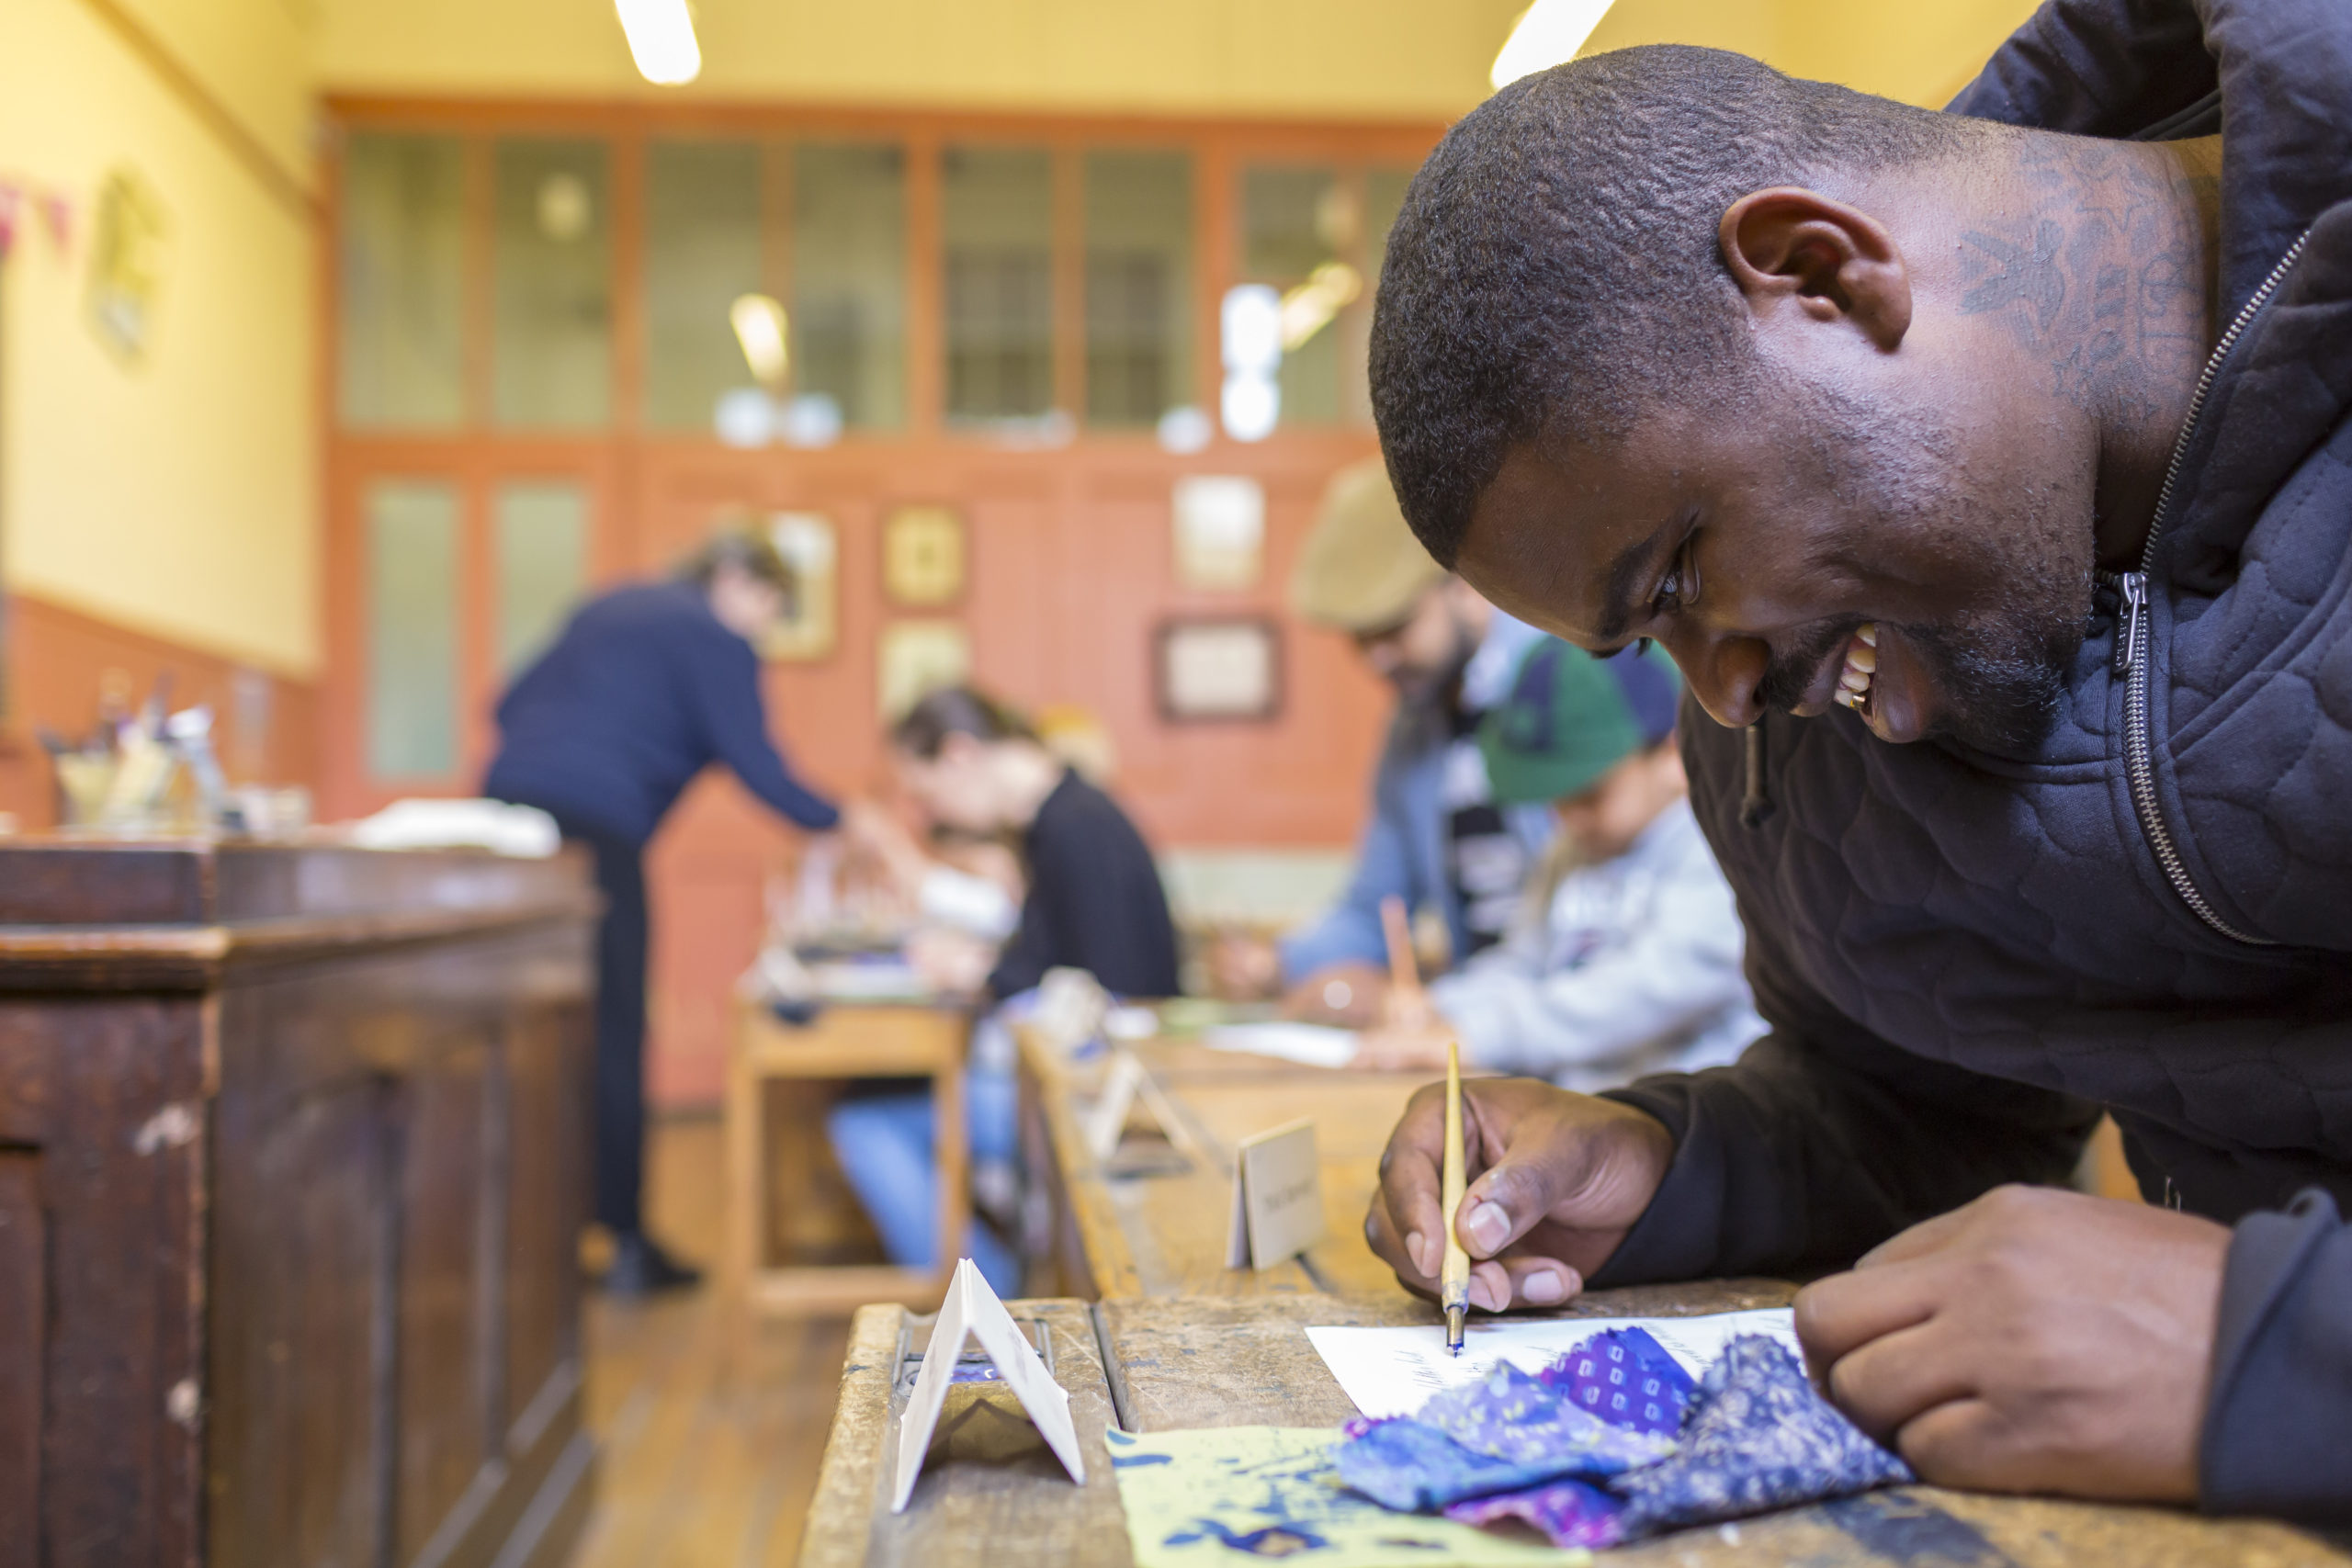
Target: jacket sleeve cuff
{"x":1675,"y":1237}
{"x":2278,"y":1413}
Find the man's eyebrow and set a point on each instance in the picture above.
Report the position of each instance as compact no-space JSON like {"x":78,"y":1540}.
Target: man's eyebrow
{"x":1617,"y":598}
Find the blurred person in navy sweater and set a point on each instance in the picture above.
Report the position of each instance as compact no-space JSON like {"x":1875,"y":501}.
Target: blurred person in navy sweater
{"x":648,"y":685}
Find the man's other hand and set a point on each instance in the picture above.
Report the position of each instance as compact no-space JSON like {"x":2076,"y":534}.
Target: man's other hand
{"x":1556,"y":1180}
{"x":2034,"y":1341}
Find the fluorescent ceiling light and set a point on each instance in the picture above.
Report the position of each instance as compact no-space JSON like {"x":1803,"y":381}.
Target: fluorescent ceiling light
{"x":1546,"y":33}
{"x":661,"y":40}
{"x":758,"y":322}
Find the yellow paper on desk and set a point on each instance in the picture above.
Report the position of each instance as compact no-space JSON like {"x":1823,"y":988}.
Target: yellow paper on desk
{"x":1245,"y":1494}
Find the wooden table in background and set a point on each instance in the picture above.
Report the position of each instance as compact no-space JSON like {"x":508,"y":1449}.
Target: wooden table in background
{"x":780,"y":1173}
{"x":1159,"y":1229}
{"x":293,"y":1164}
{"x":990,"y":1493}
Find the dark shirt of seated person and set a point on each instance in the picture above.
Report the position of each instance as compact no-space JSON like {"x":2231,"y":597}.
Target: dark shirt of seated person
{"x":1992,"y":485}
{"x":1094,"y":898}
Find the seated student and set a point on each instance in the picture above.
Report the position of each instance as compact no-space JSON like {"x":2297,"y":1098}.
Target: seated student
{"x":1626,"y":959}
{"x":1437,"y":840}
{"x":1095,"y":902}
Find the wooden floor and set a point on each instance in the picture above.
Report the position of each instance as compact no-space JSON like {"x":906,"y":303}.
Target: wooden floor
{"x":709,"y":1448}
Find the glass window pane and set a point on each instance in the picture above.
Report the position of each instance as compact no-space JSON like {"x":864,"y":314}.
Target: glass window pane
{"x":1139,"y":285}
{"x":1383,"y":197}
{"x":400,"y":354}
{"x":702,"y":253}
{"x":1293,"y":221}
{"x":552,"y":334}
{"x":847,"y":316}
{"x":542,"y":528}
{"x":997,"y":228}
{"x":412,"y":628}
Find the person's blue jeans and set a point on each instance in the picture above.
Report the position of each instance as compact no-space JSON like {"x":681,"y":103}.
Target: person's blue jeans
{"x":888,"y":1145}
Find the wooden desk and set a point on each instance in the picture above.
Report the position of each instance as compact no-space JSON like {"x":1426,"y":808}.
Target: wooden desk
{"x":293,"y":1162}
{"x":991,"y":1494}
{"x":845,"y":1041}
{"x":1157,"y":1230}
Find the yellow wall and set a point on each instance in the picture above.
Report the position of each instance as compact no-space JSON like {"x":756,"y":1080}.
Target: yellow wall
{"x":1392,"y":59}
{"x":176,"y":497}
{"x":1922,"y":52}
{"x":1404,"y":59}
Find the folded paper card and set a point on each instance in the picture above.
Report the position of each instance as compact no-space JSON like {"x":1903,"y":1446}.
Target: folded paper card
{"x":1127,"y":1085}
{"x":972,"y":1312}
{"x":1277,"y":1198}
{"x":1240,"y":1494}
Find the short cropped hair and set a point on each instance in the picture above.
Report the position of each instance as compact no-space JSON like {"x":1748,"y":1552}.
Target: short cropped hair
{"x":1556,"y":267}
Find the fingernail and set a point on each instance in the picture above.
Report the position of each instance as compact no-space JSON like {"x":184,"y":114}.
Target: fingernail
{"x":1413,"y":1249}
{"x":1481,"y":1296}
{"x":1544,"y":1288}
{"x":1489,"y":1228}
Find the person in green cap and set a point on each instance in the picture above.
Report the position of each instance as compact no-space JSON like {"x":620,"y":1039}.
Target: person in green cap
{"x":1626,"y":959}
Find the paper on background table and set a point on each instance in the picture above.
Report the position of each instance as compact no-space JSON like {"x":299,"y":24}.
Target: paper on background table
{"x":1308,"y":1044}
{"x":1241,"y":1494}
{"x":1391,"y":1371}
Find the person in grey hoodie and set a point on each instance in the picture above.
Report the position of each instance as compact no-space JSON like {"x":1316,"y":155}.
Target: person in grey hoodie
{"x":1989,"y":476}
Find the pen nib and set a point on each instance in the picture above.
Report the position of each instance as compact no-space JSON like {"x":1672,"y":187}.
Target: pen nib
{"x":1454,"y":1316}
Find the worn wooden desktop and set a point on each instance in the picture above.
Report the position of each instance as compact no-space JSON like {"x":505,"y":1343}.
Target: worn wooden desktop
{"x":1177,"y":1340}
{"x":990,"y":1493}
{"x":293,"y":1160}
{"x":1140,"y":1226}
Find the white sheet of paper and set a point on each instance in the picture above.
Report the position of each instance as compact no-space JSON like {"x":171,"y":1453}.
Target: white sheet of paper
{"x":1391,"y":1371}
{"x":972,"y":1311}
{"x":1309,"y":1045}
{"x":1277,"y":1198}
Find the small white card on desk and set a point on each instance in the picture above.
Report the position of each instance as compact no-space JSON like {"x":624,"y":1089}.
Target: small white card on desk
{"x":1107,"y":1123}
{"x":1277,"y":1198}
{"x":973,"y":1312}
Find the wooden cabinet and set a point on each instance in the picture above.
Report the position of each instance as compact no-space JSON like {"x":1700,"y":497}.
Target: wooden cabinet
{"x":293,"y":1148}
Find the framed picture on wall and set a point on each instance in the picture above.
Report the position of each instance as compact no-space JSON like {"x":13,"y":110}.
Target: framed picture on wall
{"x":1218,"y":525}
{"x":811,"y":622}
{"x":922,"y":557}
{"x":915,"y":659}
{"x":1227,"y":667}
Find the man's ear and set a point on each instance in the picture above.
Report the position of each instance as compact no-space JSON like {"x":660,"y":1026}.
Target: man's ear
{"x":1788,"y":246}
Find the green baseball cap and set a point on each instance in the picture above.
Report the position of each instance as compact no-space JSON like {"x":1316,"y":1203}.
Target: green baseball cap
{"x":1571,"y":717}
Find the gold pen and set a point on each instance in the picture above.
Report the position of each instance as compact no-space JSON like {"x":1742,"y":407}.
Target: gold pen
{"x":1454,"y":1277}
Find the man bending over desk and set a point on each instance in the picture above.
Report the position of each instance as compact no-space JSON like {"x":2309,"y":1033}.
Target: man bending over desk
{"x":1987,"y":474}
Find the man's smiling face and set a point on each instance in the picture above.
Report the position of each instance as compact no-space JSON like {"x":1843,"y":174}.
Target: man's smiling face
{"x":1770,"y":540}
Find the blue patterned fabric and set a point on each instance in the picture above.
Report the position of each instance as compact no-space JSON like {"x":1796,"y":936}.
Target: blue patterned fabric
{"x":1624,"y":1376}
{"x":1753,"y":1437}
{"x":1757,"y":1437}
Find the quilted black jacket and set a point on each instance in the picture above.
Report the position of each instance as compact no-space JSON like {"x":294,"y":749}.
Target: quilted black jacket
{"x":1965,"y":956}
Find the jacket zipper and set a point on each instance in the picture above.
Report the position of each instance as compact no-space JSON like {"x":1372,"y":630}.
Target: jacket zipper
{"x":2131,"y":659}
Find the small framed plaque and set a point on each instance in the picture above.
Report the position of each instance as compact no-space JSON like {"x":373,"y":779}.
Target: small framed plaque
{"x":1222,"y":669}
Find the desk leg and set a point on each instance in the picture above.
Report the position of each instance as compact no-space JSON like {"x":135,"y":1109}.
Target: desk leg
{"x":746,"y":1130}
{"x":954,"y":1185}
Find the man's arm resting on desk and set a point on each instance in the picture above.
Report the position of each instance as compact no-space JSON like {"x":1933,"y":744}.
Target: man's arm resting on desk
{"x":2278,"y":1415}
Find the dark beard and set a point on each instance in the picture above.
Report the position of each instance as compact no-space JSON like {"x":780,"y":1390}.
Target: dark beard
{"x":2001,"y":672}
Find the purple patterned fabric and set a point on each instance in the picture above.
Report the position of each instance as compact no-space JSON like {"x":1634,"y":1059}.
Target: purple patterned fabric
{"x":1568,"y":1512}
{"x":1624,"y":1376}
{"x":1582,"y":1450}
{"x":1515,"y":1417}
{"x":1757,"y":1437}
